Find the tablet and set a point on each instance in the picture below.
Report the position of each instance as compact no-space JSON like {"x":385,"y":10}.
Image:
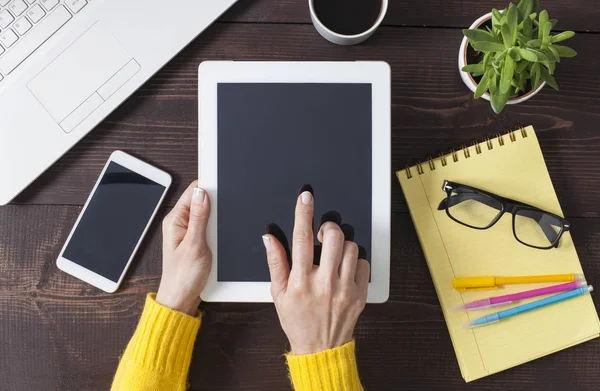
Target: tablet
{"x":267,"y":128}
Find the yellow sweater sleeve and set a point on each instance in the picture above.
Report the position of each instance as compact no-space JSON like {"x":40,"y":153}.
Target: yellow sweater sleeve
{"x":331,"y":370}
{"x":159,"y":354}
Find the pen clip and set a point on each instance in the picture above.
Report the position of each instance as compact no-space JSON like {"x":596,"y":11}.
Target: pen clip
{"x":474,"y":284}
{"x":474,"y":289}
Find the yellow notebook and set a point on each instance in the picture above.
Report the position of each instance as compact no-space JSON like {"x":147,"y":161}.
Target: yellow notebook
{"x":512,"y":166}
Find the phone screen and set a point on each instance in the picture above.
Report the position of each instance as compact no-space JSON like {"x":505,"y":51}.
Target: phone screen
{"x":114,"y":221}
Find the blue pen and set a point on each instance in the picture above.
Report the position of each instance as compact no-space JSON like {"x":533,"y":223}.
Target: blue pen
{"x":493,"y":318}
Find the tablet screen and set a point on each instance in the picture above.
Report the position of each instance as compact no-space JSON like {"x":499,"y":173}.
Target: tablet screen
{"x":272,"y":139}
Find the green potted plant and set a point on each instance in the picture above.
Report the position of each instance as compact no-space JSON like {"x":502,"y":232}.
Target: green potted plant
{"x":508,"y":56}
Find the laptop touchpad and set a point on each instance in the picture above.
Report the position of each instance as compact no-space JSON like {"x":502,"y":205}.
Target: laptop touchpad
{"x":82,"y":77}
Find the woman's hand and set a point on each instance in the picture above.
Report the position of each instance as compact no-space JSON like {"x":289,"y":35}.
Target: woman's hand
{"x":186,"y":257}
{"x":318,"y":306}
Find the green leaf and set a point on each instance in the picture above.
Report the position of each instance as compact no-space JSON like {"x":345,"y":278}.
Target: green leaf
{"x":471,"y":68}
{"x":507,"y":74}
{"x":493,"y":83}
{"x":564,"y":51}
{"x":522,"y":81}
{"x":482,"y":87}
{"x":541,"y":22}
{"x":554,"y":52}
{"x":499,"y":57}
{"x":514,"y":53}
{"x":528,"y":54}
{"x":548,"y":78}
{"x":527,"y":28}
{"x":507,"y":36}
{"x":512,"y":15}
{"x":496,"y":17}
{"x":521,"y":66}
{"x":486,"y":59}
{"x":522,"y":39}
{"x":551,"y":66}
{"x":541,"y":56}
{"x":476,"y":35}
{"x":515,"y":87}
{"x":562,"y":36}
{"x":533,"y":16}
{"x":535,"y":75}
{"x":498,"y":101}
{"x":536,"y":6}
{"x":549,"y":54}
{"x":488,"y":47}
{"x":546,"y":28}
{"x":525,"y":7}
{"x":535,"y":43}
{"x":554,"y":22}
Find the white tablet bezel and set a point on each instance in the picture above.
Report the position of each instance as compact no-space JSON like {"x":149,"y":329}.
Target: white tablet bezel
{"x":375,"y":73}
{"x":141,"y":168}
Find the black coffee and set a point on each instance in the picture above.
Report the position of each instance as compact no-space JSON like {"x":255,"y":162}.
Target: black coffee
{"x":348,"y":17}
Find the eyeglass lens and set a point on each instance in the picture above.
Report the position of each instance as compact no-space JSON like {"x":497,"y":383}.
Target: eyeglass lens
{"x":537,"y":228}
{"x":473,"y":208}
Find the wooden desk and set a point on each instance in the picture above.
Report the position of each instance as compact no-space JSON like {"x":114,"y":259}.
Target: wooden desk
{"x":57,"y":333}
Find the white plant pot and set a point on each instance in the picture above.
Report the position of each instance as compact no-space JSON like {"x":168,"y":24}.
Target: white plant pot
{"x":468,"y":79}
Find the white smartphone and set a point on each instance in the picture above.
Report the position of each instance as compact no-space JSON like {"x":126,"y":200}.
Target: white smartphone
{"x":113,"y":221}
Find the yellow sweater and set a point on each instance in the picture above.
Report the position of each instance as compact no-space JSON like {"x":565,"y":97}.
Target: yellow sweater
{"x":159,"y":354}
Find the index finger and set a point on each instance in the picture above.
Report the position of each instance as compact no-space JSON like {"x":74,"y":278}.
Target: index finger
{"x":303,"y":239}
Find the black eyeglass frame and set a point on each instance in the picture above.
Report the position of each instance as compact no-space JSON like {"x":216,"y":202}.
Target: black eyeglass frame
{"x":508,"y":206}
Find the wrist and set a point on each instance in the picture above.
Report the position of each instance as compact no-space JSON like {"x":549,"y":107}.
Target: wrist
{"x":303,"y":349}
{"x":178,"y":303}
{"x":306,"y":349}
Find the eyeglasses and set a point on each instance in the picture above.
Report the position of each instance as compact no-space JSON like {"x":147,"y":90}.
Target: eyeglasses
{"x":480,"y":209}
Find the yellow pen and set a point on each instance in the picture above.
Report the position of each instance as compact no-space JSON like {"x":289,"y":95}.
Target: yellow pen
{"x":485,"y":283}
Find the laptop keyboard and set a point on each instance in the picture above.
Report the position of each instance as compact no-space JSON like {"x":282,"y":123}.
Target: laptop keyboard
{"x":26,"y":24}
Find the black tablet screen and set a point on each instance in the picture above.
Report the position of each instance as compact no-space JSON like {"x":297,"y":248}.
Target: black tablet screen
{"x":272,"y":139}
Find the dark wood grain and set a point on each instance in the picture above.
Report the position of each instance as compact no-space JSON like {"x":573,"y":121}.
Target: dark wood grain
{"x":60,"y":333}
{"x":578,"y":15}
{"x":432,"y":110}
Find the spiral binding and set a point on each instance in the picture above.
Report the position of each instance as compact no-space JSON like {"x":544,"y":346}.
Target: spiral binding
{"x":511,"y":133}
{"x":466,"y":151}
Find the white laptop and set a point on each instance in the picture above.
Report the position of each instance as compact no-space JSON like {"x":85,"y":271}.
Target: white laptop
{"x":66,"y":64}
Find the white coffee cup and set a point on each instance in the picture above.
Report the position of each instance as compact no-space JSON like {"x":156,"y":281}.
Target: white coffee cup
{"x":342,"y":39}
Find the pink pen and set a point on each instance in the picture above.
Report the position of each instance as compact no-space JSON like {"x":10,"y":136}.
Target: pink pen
{"x":507,"y":299}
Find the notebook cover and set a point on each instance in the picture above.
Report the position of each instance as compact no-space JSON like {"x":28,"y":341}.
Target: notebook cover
{"x":512,"y":166}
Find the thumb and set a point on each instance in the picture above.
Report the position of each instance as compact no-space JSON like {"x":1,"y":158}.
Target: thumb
{"x":199,"y":214}
{"x":278,"y":265}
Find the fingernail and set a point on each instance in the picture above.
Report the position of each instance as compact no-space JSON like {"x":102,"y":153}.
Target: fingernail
{"x":308,"y":188}
{"x":306,"y":197}
{"x":198,"y":196}
{"x":267,"y":242}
